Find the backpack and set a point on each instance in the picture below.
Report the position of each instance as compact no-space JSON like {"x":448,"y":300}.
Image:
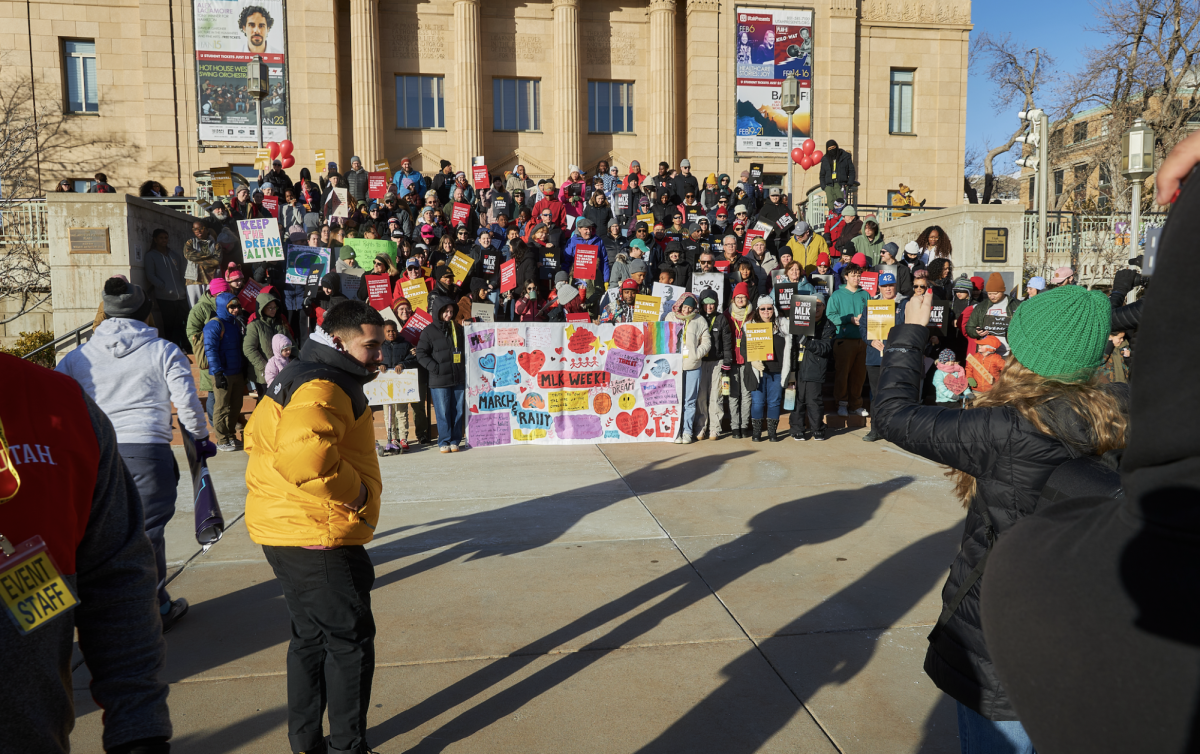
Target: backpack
{"x":199,"y":349}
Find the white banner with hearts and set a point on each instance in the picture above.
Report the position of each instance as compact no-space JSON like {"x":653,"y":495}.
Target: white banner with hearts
{"x":573,"y":384}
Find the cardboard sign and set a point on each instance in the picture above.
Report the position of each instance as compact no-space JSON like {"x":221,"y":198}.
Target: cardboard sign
{"x":248,"y":293}
{"x":760,"y":341}
{"x":646,"y":308}
{"x":783,"y":296}
{"x":319,"y":161}
{"x":881,"y":318}
{"x":578,"y":317}
{"x":377,"y":184}
{"x":416,"y":292}
{"x":459,"y":213}
{"x":381,"y":166}
{"x":262,"y":160}
{"x":996,"y":324}
{"x":485,"y":312}
{"x":713,"y":281}
{"x":508,"y":275}
{"x":222,"y":181}
{"x":271,"y":204}
{"x":379,"y":291}
{"x":390,"y":387}
{"x":479,"y":176}
{"x":586,"y":259}
{"x":260,"y":240}
{"x":302,"y":260}
{"x":460,"y":265}
{"x":823,"y":284}
{"x":940,"y":317}
{"x":419,"y":320}
{"x":870,"y":283}
{"x":366,"y":249}
{"x":806,"y":311}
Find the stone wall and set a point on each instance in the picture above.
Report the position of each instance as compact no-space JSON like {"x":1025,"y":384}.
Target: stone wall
{"x":964,"y":227}
{"x":38,"y":318}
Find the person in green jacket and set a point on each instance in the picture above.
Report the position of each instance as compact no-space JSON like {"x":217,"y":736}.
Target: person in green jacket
{"x":256,"y":346}
{"x":869,"y":241}
{"x":204,"y":310}
{"x":845,"y":310}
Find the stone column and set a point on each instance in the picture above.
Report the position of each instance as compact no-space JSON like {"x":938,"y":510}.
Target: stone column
{"x":466,"y":91}
{"x":662,"y":84}
{"x":367,"y":87}
{"x":567,"y":149}
{"x":702,"y":91}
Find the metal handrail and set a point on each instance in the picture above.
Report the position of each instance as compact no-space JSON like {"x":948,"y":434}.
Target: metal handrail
{"x":80,"y":334}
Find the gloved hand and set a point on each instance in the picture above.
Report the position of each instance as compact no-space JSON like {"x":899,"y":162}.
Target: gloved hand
{"x":205,"y":448}
{"x":309,"y":301}
{"x":1123,"y":281}
{"x":220,"y":381}
{"x":971,"y":382}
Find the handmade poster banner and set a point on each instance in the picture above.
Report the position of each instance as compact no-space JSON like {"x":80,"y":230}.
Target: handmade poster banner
{"x":460,"y":265}
{"x":483,"y":312}
{"x":940,"y":316}
{"x":302,"y":260}
{"x":417,"y":293}
{"x":366,"y":249}
{"x":377,"y":184}
{"x":260,"y":239}
{"x":870,"y":282}
{"x":573,"y":383}
{"x":271,"y":204}
{"x":996,"y":324}
{"x":222,"y":181}
{"x":319,"y":160}
{"x":823,"y":284}
{"x":713,"y":281}
{"x":248,"y":293}
{"x":783,"y":296}
{"x":337,"y":203}
{"x":508,"y":276}
{"x":881,"y":318}
{"x":379,"y":291}
{"x":586,"y":257}
{"x":806,"y":311}
{"x":459,"y":213}
{"x":668,"y":293}
{"x":760,"y":341}
{"x":419,"y":320}
{"x":479,"y":177}
{"x":390,"y":387}
{"x":646,"y":308}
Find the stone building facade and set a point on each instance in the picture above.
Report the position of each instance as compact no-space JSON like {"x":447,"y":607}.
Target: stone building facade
{"x":344,"y":57}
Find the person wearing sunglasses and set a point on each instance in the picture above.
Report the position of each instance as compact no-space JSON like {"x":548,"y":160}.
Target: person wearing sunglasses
{"x":765,"y":379}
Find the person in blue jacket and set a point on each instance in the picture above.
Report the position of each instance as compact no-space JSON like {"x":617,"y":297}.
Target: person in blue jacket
{"x":408,"y":181}
{"x":223,"y":347}
{"x":585,"y":233}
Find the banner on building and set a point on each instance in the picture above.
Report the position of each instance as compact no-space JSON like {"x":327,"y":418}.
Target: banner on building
{"x":228,"y":33}
{"x":572,"y":384}
{"x":771,"y":44}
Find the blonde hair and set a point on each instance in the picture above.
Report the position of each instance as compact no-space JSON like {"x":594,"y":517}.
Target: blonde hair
{"x":1027,"y":391}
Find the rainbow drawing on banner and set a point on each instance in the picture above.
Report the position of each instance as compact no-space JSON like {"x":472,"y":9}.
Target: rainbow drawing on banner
{"x":660,"y":337}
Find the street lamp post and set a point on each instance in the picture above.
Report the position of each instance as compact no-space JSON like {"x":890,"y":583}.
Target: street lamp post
{"x":257,"y":81}
{"x":1137,"y":164}
{"x":789,"y":102}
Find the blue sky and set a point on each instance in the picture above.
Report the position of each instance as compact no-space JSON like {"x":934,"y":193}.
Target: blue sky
{"x":1058,"y":26}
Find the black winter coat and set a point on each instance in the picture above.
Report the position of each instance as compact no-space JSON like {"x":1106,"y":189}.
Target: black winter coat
{"x":435,"y":349}
{"x":1011,"y":462}
{"x":720,"y":334}
{"x":817,"y":350}
{"x":399,"y":353}
{"x":845,"y":168}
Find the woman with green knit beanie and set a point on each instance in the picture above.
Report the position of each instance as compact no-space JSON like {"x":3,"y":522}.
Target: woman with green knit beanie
{"x":1046,"y":408}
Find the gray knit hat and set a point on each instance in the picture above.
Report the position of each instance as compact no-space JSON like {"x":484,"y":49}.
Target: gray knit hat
{"x":636,"y":265}
{"x":124,"y":299}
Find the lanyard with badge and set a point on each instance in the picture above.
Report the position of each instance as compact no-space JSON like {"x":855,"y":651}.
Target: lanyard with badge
{"x":454,"y":338}
{"x":31,"y":587}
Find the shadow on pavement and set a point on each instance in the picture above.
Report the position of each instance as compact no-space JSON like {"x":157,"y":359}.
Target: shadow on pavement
{"x":232,"y":737}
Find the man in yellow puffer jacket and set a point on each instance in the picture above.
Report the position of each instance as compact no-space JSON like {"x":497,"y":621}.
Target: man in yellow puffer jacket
{"x":313,"y":486}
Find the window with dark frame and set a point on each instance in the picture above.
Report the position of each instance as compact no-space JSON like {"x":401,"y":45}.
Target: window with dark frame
{"x":79,"y":74}
{"x":1081,"y":132}
{"x":900,"y":120}
{"x":610,"y":107}
{"x":1058,"y":182}
{"x":516,"y":105}
{"x":420,"y":102}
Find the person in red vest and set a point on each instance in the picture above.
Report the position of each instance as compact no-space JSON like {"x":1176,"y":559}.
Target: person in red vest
{"x":73,"y":556}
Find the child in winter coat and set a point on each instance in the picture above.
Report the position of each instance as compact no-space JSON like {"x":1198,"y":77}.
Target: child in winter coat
{"x":397,"y":354}
{"x":950,"y":381}
{"x":223,"y":347}
{"x":285,"y":352}
{"x":985,"y":365}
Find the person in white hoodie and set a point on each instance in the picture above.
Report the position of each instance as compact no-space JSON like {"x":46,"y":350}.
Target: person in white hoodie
{"x":134,"y":376}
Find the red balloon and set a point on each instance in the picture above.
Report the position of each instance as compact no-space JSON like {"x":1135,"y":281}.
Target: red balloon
{"x":285,"y":147}
{"x":816,"y":157}
{"x":797,"y":153}
{"x":273,"y":149}
{"x":806,"y":162}
{"x":808,"y":146}
{"x":287,"y":160}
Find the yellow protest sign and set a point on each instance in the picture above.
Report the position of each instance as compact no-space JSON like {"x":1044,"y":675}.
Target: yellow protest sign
{"x":646,"y":308}
{"x":760,"y":343}
{"x":647,"y":218}
{"x":320,"y":161}
{"x":222,"y":181}
{"x":881,"y":317}
{"x":262,"y":160}
{"x":460,"y":265}
{"x":416,"y":292}
{"x":382,"y":165}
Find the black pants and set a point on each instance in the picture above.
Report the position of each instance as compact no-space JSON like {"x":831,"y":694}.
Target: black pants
{"x":808,"y":401}
{"x":873,"y":380}
{"x":331,"y":658}
{"x":174,"y":325}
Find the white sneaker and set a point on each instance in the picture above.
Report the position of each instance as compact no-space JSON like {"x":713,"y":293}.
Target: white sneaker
{"x":860,"y":412}
{"x":842,"y":410}
{"x":687,"y":440}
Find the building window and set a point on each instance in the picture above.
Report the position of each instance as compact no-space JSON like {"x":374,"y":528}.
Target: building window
{"x":1081,"y":132}
{"x":902,"y":102}
{"x":516,"y":105}
{"x":1105,"y":175}
{"x":79,"y":68}
{"x":1058,"y":182}
{"x":420,"y":102}
{"x":1032,"y":191}
{"x":610,"y":107}
{"x":249,"y":173}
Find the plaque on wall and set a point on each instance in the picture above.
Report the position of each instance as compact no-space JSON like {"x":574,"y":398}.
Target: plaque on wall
{"x":995,"y":245}
{"x":88,"y":241}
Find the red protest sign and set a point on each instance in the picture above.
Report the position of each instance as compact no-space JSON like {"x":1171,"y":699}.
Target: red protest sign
{"x":870,"y":282}
{"x":377,"y":185}
{"x":271,"y":204}
{"x":419,"y":320}
{"x":722,"y":265}
{"x":508,"y":275}
{"x":750,"y":236}
{"x":586,"y":257}
{"x":459,"y":213}
{"x":578,"y":317}
{"x":248,"y":293}
{"x":379,"y":293}
{"x":479,"y":176}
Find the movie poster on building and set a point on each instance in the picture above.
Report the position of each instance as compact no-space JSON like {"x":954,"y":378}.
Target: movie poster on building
{"x":228,"y":33}
{"x":772,"y":44}
{"x":573,"y":384}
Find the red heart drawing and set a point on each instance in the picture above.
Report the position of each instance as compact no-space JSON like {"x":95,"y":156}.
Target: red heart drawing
{"x":558,"y":351}
{"x":649,"y":431}
{"x":474,"y":409}
{"x":956,"y":383}
{"x":632,"y":424}
{"x":645,"y":376}
{"x":674,"y":373}
{"x":532,"y":362}
{"x":523,"y":389}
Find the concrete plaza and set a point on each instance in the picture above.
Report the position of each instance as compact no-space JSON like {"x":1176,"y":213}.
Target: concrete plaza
{"x":718,"y":597}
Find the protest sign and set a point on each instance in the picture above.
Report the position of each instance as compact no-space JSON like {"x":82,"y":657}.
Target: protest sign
{"x":459,"y":213}
{"x":301,"y":260}
{"x":647,"y":218}
{"x":312,"y":283}
{"x":485,"y":312}
{"x":350,"y":283}
{"x":713,"y":281}
{"x":646,"y":308}
{"x":377,"y":184}
{"x":783,"y":297}
{"x":870,"y":282}
{"x":668,"y":293}
{"x":390,"y":387}
{"x":586,"y":257}
{"x":319,"y":160}
{"x":940,"y":317}
{"x":260,"y":239}
{"x":271,"y":204}
{"x":764,"y":227}
{"x":419,"y":320}
{"x":222,"y":181}
{"x":508,"y":275}
{"x":823,"y":284}
{"x":750,"y":236}
{"x":366,"y":249}
{"x":337,"y":203}
{"x":417,"y":293}
{"x":573,"y":383}
{"x":262,"y":160}
{"x":500,"y":207}
{"x":722,"y":265}
{"x":381,"y":166}
{"x":806,"y":311}
{"x":379,"y":291}
{"x":460,"y":265}
{"x":881,"y":318}
{"x":996,"y":324}
{"x":248,"y":294}
{"x":578,"y":317}
{"x":760,"y":343}
{"x":547,"y":262}
{"x":479,"y":177}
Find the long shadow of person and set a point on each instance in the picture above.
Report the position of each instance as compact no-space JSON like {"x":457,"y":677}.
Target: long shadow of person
{"x":785,"y":527}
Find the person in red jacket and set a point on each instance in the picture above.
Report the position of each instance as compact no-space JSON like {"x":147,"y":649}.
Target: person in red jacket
{"x":558,"y":210}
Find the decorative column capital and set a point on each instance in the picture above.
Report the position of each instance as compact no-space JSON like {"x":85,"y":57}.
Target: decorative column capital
{"x":703,"y":6}
{"x":466,"y":2}
{"x":566,"y":4}
{"x":667,"y":5}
